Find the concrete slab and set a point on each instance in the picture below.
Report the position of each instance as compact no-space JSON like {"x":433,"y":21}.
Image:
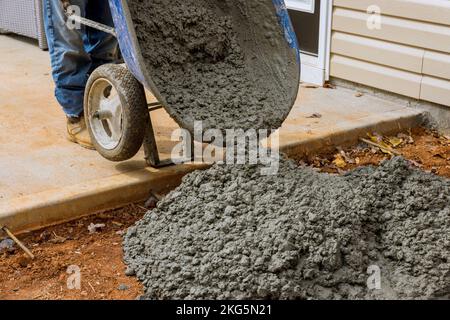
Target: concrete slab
{"x":45,"y":179}
{"x":345,"y":116}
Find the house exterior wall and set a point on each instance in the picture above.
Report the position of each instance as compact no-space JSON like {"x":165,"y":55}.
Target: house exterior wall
{"x":407,"y":52}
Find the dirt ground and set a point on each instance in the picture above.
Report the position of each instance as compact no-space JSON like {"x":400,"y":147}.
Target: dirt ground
{"x":98,"y":255}
{"x":425,"y":148}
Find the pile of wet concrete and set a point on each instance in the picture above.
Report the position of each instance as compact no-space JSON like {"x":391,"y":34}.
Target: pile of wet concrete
{"x":231,"y":233}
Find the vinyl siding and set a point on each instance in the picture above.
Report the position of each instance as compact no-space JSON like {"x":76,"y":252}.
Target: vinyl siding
{"x":408,"y":55}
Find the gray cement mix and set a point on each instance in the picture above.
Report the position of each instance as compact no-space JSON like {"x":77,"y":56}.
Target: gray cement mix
{"x":223,"y":62}
{"x":230,"y":233}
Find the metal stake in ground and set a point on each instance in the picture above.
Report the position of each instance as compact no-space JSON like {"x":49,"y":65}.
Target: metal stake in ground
{"x":19,"y":243}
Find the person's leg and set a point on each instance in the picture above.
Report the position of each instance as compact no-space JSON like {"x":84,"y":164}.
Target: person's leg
{"x":70,"y":61}
{"x":70,"y":66}
{"x":102,"y":46}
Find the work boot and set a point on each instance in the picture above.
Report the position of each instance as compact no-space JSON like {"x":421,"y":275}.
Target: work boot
{"x":78,"y":133}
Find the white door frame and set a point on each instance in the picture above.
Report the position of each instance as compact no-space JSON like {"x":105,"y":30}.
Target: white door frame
{"x":316,"y":69}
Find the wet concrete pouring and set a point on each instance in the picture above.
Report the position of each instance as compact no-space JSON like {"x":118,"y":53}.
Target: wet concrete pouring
{"x":225,"y":63}
{"x":393,"y":216}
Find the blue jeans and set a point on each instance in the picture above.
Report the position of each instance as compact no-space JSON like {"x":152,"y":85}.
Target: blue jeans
{"x":76,"y":53}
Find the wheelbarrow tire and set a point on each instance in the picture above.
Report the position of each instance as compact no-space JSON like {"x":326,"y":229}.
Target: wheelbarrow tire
{"x":135,"y":115}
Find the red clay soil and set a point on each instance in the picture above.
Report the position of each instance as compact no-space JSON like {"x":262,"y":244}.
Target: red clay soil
{"x":99,"y":255}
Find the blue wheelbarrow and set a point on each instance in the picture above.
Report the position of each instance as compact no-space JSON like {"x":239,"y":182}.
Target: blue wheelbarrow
{"x":116,"y":109}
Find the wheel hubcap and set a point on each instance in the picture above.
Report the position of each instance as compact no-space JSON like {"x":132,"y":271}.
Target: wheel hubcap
{"x":105,"y":114}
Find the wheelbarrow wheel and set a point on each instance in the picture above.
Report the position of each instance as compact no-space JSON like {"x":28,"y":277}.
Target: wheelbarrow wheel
{"x":116,"y":112}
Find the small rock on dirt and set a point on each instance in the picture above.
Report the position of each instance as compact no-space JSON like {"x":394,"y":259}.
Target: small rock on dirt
{"x":24,"y":261}
{"x":151,"y":202}
{"x":123,"y":287}
{"x":7,"y":245}
{"x":93,"y":228}
{"x":130,"y":272}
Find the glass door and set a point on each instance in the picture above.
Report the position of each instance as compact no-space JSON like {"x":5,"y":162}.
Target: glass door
{"x":302,"y":5}
{"x":312,"y":23}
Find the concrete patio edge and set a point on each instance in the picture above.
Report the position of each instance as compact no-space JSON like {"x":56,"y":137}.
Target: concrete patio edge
{"x":349,"y":133}
{"x":34,"y":211}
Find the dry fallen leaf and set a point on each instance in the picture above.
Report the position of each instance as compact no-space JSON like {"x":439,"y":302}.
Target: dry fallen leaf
{"x":394,"y":141}
{"x":328,"y":85}
{"x":406,"y":138}
{"x":378,"y":139}
{"x":375,"y":137}
{"x":104,"y":215}
{"x":310,"y":86}
{"x":315,"y":116}
{"x":57,"y":239}
{"x":440,"y":155}
{"x":339,"y":161}
{"x":346,"y":157}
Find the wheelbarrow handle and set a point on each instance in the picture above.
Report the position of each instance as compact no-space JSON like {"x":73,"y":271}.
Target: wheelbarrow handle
{"x":89,"y":23}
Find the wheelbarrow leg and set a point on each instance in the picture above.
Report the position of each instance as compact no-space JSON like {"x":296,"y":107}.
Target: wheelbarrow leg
{"x":150,"y":147}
